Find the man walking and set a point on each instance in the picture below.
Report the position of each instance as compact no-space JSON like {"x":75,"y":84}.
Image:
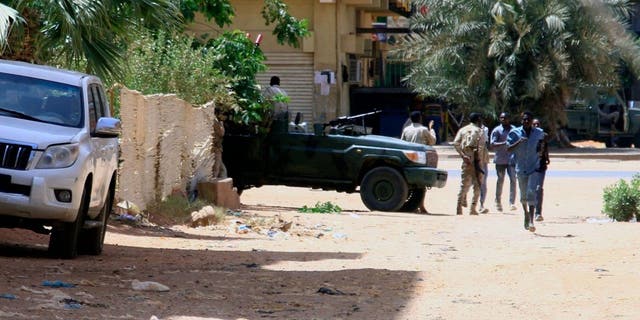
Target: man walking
{"x":417,"y":133}
{"x":471,"y":146}
{"x":504,"y":161}
{"x":543,"y":153}
{"x":524,"y":142}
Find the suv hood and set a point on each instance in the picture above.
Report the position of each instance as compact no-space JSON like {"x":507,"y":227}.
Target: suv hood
{"x":20,"y":130}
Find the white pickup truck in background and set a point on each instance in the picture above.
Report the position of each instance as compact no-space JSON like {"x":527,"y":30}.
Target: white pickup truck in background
{"x":58,"y":156}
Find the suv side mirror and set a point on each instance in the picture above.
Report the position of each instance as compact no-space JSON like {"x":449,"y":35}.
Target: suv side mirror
{"x":108,"y":128}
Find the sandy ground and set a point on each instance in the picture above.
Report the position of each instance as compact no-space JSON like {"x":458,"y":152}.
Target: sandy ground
{"x":353,"y":265}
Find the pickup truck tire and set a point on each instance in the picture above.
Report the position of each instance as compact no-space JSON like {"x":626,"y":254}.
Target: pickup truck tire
{"x":92,"y":240}
{"x":414,"y":200}
{"x":63,"y":242}
{"x":383,"y":189}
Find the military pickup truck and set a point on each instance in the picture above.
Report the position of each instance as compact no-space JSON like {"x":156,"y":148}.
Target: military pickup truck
{"x":390,"y":174}
{"x":605,"y":117}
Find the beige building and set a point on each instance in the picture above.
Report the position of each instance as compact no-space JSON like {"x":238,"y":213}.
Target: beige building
{"x":346,"y":51}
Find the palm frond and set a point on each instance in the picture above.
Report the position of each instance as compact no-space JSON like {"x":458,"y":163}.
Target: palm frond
{"x":520,"y":52}
{"x":8,"y":17}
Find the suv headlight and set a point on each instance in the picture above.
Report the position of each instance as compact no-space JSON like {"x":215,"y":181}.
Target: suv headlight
{"x":416,"y":156}
{"x":60,"y":156}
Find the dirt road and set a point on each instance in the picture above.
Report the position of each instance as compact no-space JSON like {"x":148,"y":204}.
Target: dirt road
{"x":353,"y":265}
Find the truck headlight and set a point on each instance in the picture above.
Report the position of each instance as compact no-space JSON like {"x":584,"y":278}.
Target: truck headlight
{"x":416,"y":156}
{"x":60,"y":156}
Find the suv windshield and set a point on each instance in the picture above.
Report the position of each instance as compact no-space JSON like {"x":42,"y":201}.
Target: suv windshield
{"x":40,"y":100}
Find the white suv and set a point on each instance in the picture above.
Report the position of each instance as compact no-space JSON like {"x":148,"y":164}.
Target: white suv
{"x":58,"y":156}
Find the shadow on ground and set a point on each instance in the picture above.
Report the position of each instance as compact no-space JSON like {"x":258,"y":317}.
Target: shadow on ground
{"x":203,"y":283}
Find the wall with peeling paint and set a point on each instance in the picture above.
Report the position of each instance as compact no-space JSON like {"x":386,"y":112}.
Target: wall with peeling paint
{"x":167,"y":146}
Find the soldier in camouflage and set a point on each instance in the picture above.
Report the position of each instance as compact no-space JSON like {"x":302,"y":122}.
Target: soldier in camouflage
{"x":471,"y":145}
{"x":417,"y":133}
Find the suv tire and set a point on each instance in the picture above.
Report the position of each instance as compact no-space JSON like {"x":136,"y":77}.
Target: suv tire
{"x":63,"y":242}
{"x":92,"y":240}
{"x":383,"y":189}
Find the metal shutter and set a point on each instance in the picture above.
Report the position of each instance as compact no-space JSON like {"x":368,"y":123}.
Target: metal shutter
{"x":296,"y":78}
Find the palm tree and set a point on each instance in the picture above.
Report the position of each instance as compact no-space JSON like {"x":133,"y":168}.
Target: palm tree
{"x":7,"y":16}
{"x":512,"y":55}
{"x":82,"y":32}
{"x":448,"y":51}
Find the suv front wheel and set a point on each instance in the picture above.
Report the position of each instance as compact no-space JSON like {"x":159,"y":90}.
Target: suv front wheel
{"x":63,"y":241}
{"x":92,"y":238}
{"x":383,"y":189}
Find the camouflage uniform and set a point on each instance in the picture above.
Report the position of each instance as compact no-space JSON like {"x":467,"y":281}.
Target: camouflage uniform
{"x":417,"y":133}
{"x":470,"y":142}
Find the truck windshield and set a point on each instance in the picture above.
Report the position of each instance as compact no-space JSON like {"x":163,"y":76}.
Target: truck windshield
{"x":41,"y":100}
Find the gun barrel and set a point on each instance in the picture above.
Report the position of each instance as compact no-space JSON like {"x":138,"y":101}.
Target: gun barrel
{"x":349,"y":119}
{"x":364,"y":114}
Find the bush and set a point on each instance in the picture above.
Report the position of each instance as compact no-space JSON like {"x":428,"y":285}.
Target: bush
{"x":239,"y":59}
{"x":622,"y":200}
{"x":172,"y":63}
{"x":222,"y":70}
{"x":326,"y":207}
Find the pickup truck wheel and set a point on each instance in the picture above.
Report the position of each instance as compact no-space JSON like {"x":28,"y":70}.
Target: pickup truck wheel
{"x":92,"y":240}
{"x":383,"y":189}
{"x":414,"y":200}
{"x":63,"y":242}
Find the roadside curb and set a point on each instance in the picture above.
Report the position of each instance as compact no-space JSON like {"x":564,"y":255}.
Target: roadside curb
{"x":626,"y":154}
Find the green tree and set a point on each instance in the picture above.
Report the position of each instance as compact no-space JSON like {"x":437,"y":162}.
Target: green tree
{"x":239,"y":59}
{"x":90,"y":35}
{"x":287,"y":29}
{"x":513,"y":55}
{"x":93,"y":35}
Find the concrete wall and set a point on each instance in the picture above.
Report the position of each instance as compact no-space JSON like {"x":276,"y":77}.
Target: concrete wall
{"x":167,"y":146}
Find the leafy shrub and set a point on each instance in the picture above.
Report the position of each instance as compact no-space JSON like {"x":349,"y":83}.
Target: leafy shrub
{"x":326,"y":207}
{"x":222,"y":70}
{"x":622,"y":200}
{"x":287,"y":28}
{"x":239,"y":59}
{"x":172,"y":63}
